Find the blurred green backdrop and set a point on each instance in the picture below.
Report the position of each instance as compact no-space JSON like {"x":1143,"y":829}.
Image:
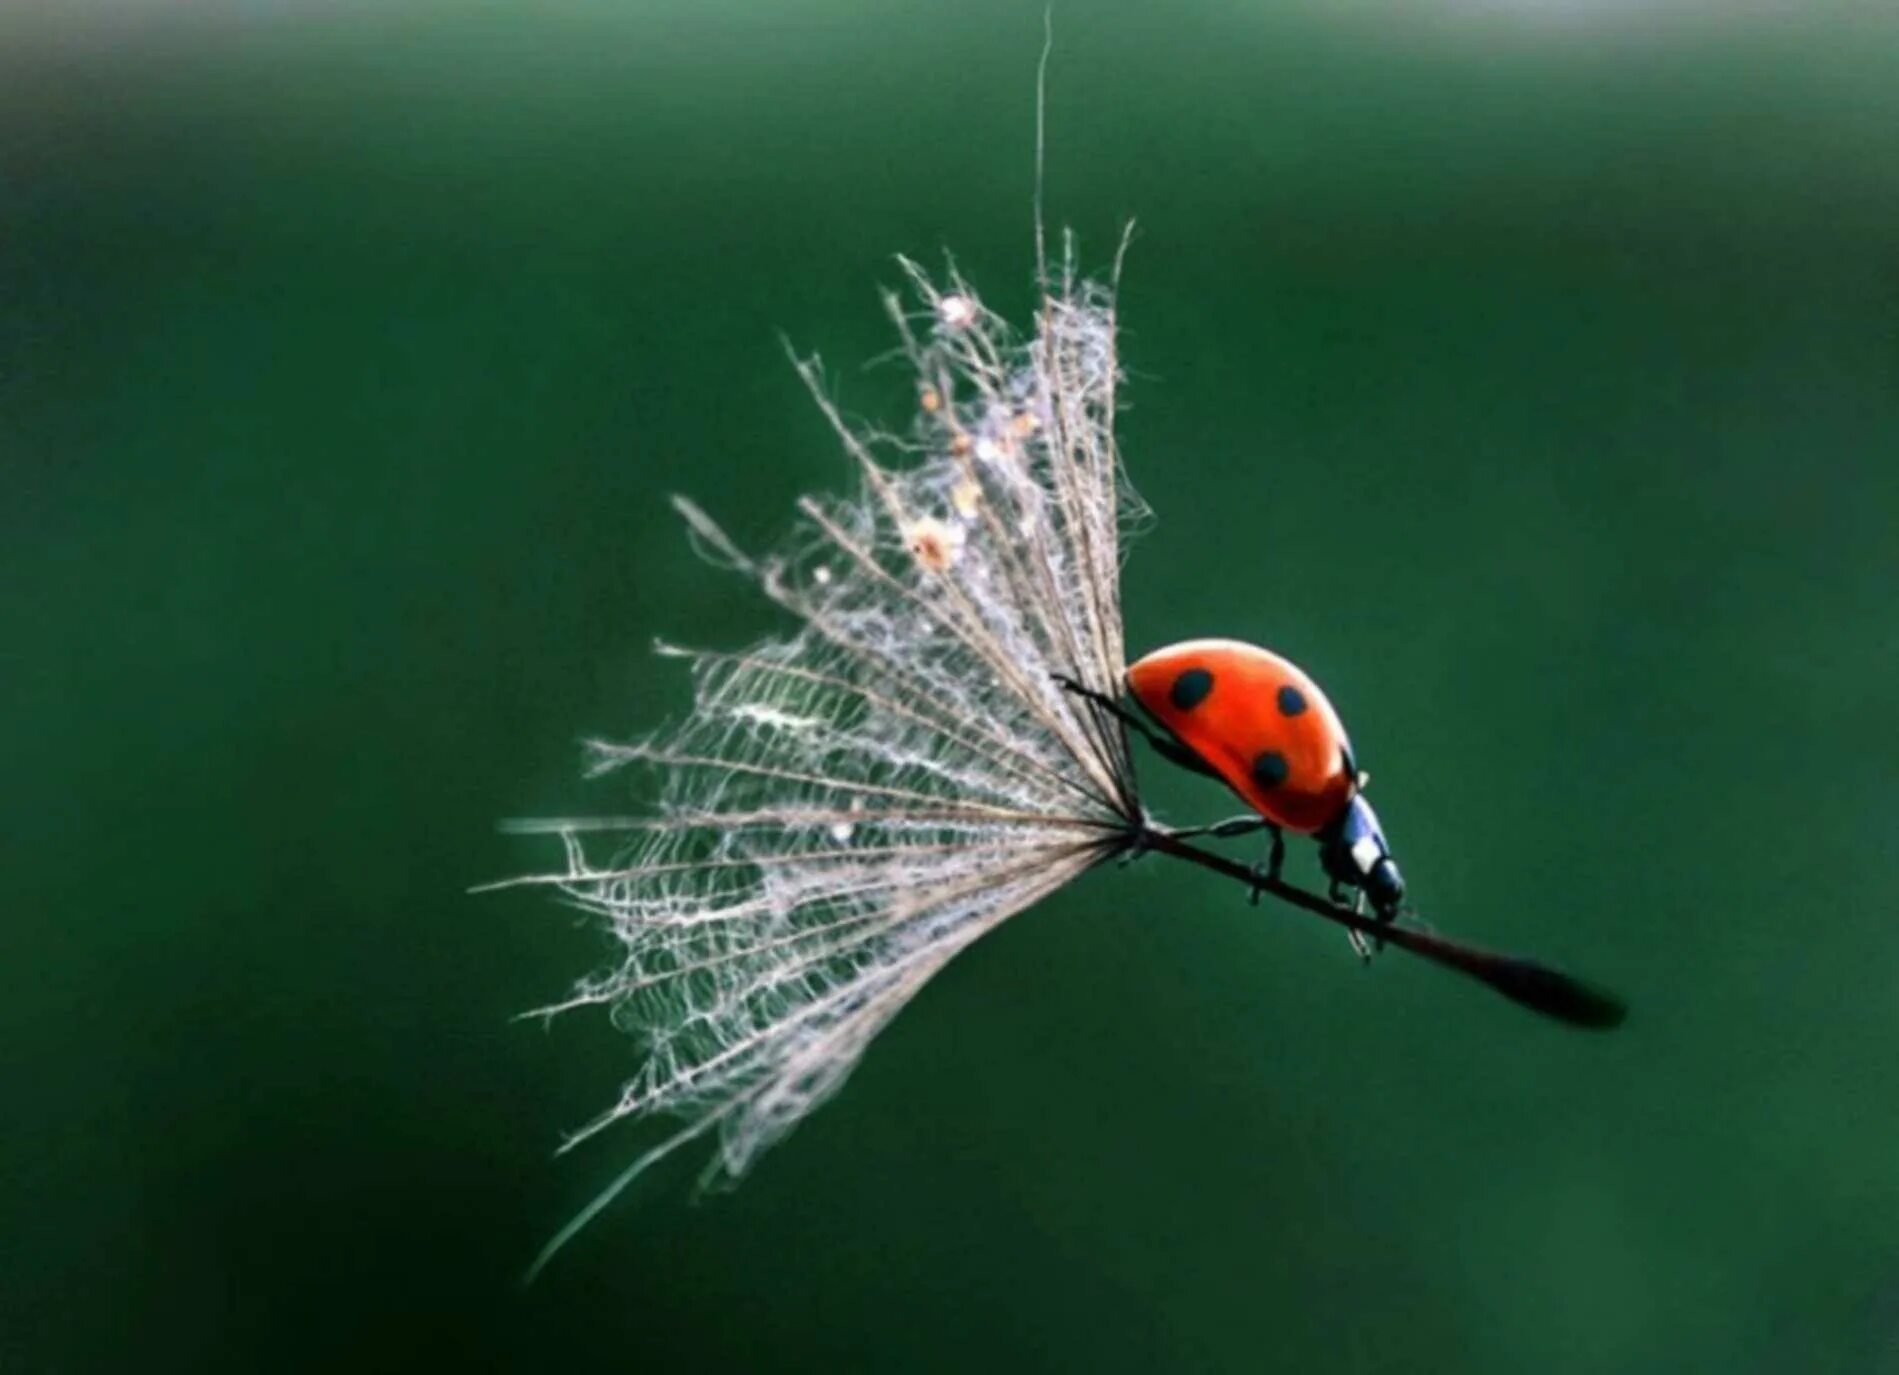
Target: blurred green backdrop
{"x":1526,"y":370}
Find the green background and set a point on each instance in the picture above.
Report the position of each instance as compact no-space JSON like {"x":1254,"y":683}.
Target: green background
{"x":1526,"y":371}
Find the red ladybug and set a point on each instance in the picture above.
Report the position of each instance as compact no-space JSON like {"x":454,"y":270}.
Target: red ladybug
{"x":1258,"y":723}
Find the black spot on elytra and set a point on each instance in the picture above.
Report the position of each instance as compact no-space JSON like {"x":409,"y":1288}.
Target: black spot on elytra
{"x":1291,"y":701}
{"x":1269,"y":770}
{"x":1191,"y":688}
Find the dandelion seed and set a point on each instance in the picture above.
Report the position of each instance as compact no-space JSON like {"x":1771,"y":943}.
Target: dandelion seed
{"x":842,"y":831}
{"x":966,"y":498}
{"x":991,"y":450}
{"x":936,"y":545}
{"x":848,"y":806}
{"x":760,"y":714}
{"x":956,"y":310}
{"x":931,"y":400}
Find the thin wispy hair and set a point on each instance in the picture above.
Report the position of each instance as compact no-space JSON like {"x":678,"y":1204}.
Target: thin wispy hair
{"x":848,"y":805}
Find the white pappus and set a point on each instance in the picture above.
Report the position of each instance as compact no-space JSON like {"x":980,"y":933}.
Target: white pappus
{"x":849,"y":805}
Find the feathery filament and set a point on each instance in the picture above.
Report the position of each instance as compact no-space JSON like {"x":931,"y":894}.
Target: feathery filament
{"x":848,"y":806}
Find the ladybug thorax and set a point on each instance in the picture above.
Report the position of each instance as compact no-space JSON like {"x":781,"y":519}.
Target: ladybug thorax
{"x":1256,"y":719}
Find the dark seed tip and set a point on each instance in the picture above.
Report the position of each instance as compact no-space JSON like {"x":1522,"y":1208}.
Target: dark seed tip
{"x":1559,"y":995}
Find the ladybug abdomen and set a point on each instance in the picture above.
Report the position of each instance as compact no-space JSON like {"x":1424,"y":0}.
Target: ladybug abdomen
{"x":1258,"y":721}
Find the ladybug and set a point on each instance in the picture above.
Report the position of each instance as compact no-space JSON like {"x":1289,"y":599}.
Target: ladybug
{"x":1259,"y":724}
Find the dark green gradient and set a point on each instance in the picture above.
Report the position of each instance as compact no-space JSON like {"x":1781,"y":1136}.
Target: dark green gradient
{"x":1528,"y":373}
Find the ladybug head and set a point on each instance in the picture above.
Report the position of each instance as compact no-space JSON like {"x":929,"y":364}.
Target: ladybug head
{"x":1354,"y":851}
{"x":1384,"y":885}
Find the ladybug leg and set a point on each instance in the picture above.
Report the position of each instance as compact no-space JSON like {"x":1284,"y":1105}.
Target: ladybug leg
{"x":1175,"y":753}
{"x":1337,"y":892}
{"x":1226,"y":830}
{"x":1165,"y":746}
{"x":1360,"y":944}
{"x":1267,"y":871}
{"x":1264,"y":873}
